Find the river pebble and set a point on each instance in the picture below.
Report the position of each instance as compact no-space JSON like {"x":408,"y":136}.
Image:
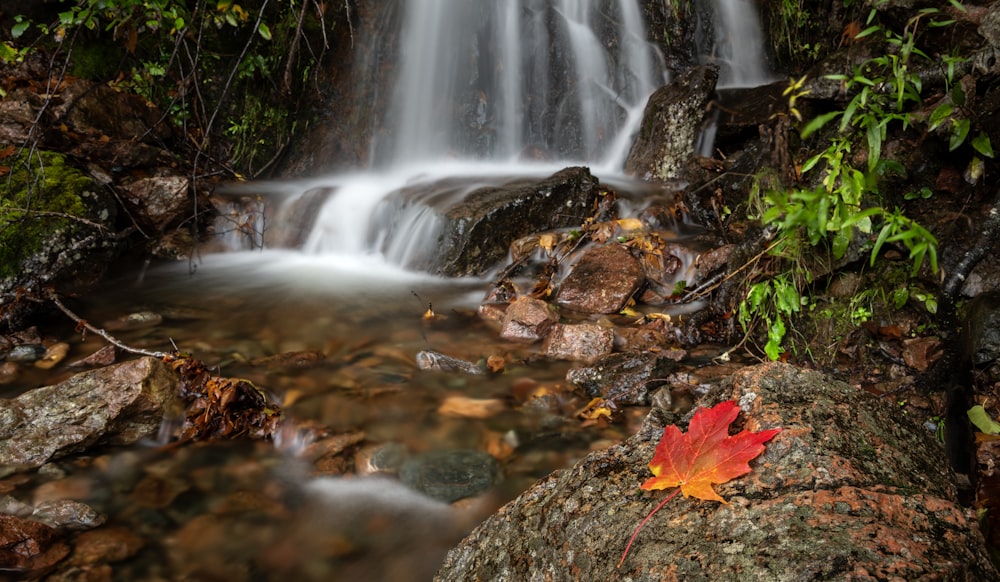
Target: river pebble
{"x":450,"y":475}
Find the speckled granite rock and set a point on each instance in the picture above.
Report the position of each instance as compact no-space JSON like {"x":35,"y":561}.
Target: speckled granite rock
{"x":850,"y":489}
{"x":118,"y":405}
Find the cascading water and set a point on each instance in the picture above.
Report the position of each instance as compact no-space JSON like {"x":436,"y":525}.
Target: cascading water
{"x":486,"y":79}
{"x":739,"y":45}
{"x":738,"y":49}
{"x":489,"y":88}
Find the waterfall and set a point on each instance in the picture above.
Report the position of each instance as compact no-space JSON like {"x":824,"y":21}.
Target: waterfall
{"x":739,"y":45}
{"x":494,"y":88}
{"x":506,"y":79}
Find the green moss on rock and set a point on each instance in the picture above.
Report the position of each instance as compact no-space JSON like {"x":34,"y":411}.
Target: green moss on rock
{"x":51,"y":216}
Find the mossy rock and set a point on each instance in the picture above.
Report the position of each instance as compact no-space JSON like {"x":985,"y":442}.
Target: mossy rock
{"x":56,"y":225}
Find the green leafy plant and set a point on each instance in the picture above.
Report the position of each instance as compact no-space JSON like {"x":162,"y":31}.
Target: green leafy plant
{"x":773,"y":301}
{"x":844,"y":199}
{"x":193,"y":60}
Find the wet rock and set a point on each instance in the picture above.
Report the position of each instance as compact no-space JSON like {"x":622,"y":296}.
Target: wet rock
{"x":670,"y":124}
{"x":435,"y":361}
{"x":527,"y":320}
{"x":67,"y":514}
{"x":450,"y":475}
{"x":26,"y":353}
{"x":27,"y":545}
{"x":626,"y":378}
{"x":108,"y":544}
{"x":581,"y":341}
{"x":158,"y":201}
{"x":116,"y":405}
{"x":638,"y":339}
{"x":480,"y":229}
{"x":850,"y":488}
{"x":67,"y":244}
{"x":602,"y":281}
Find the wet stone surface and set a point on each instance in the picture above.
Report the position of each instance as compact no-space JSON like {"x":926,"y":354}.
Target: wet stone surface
{"x":450,"y":475}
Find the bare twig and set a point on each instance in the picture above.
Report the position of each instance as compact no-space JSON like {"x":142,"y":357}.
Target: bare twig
{"x":57,"y":301}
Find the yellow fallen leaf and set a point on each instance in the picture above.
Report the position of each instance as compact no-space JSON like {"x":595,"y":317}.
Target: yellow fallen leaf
{"x":629,"y":224}
{"x":465,"y":407}
{"x":547,"y":241}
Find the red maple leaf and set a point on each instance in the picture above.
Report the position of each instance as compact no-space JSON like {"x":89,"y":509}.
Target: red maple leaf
{"x":705,"y":455}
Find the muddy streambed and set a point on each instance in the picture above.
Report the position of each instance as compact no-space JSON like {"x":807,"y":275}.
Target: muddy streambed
{"x":335,"y":343}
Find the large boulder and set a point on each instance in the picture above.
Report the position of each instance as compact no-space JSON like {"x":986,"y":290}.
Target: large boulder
{"x":118,"y":405}
{"x":849,"y":489}
{"x":671,"y":123}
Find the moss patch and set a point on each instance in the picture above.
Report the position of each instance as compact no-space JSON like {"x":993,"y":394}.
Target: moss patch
{"x":41,"y":195}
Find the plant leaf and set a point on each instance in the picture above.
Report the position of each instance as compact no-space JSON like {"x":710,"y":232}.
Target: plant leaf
{"x":705,"y":454}
{"x":982,"y":420}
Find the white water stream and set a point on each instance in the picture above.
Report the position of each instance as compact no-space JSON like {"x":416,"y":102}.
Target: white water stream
{"x":739,"y":45}
{"x":486,"y":88}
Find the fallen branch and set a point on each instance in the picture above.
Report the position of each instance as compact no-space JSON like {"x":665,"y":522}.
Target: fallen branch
{"x":57,"y":301}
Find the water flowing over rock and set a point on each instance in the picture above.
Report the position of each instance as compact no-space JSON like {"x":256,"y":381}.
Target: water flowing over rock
{"x":849,"y":488}
{"x":116,"y":405}
{"x":671,"y":123}
{"x":479,"y":230}
{"x":558,"y":76}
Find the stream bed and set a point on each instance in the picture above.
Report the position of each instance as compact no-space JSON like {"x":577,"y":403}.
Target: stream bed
{"x":334,"y":343}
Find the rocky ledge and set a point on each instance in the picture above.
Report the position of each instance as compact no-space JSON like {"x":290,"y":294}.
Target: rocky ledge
{"x":850,"y":489}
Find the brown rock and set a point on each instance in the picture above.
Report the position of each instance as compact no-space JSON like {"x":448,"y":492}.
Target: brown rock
{"x":527,"y":320}
{"x":108,"y":544}
{"x":582,"y":342}
{"x":638,"y":339}
{"x":29,"y":545}
{"x":602,"y":281}
{"x":158,"y":201}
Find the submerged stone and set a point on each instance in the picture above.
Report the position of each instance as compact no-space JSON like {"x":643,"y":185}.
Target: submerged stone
{"x":450,"y":475}
{"x":436,"y":361}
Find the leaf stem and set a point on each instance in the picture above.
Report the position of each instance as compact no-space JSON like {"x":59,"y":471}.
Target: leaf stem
{"x":643,"y":523}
